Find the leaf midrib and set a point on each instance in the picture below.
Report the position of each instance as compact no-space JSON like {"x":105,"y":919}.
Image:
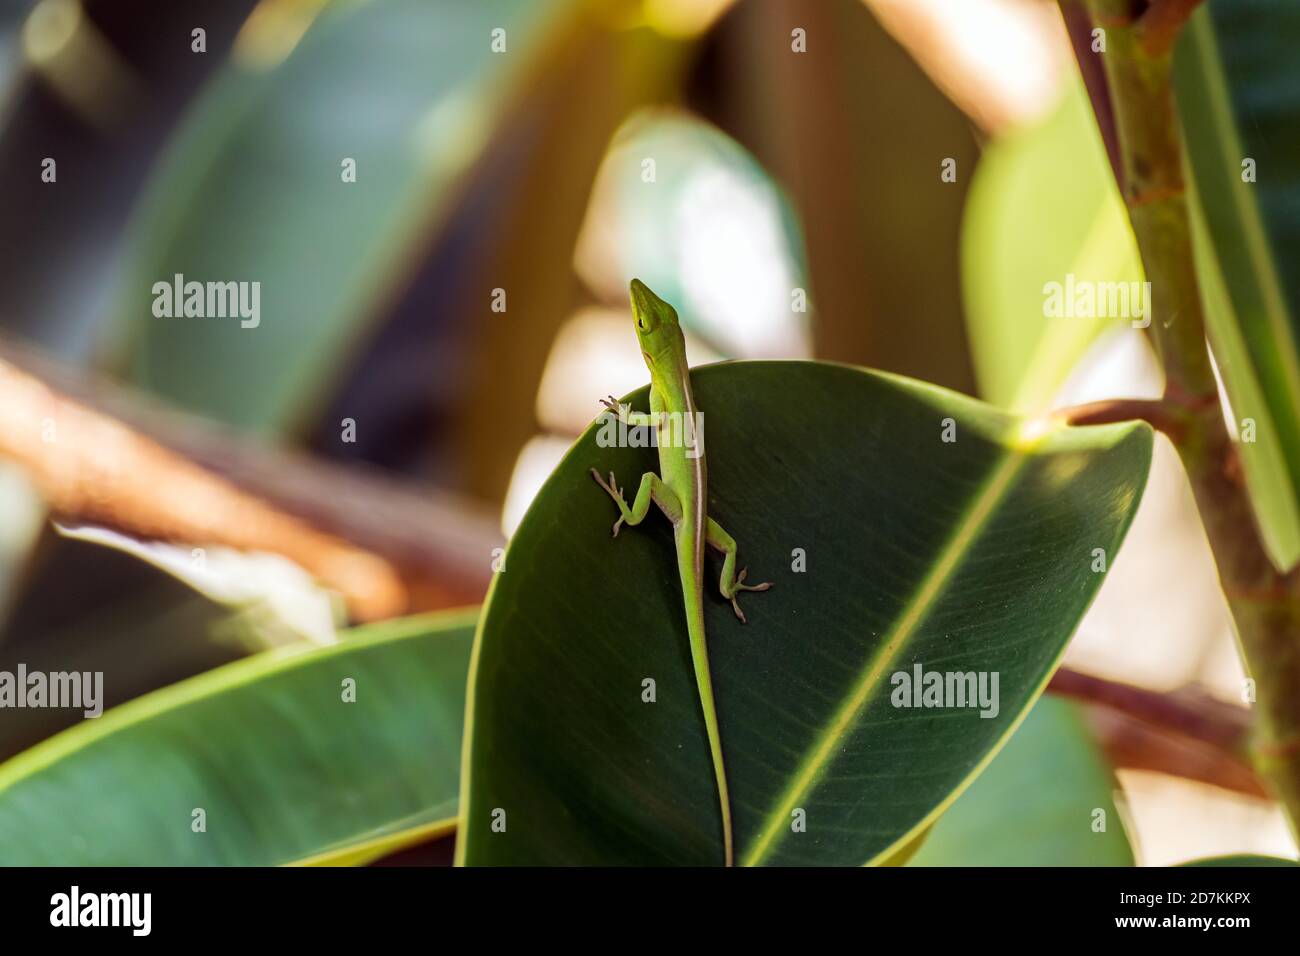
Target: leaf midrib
{"x":819,"y":756}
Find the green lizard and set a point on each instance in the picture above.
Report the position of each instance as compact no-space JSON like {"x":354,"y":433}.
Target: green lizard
{"x":680,"y":492}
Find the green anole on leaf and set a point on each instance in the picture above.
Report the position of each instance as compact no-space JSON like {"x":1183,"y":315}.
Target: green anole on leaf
{"x":680,"y":491}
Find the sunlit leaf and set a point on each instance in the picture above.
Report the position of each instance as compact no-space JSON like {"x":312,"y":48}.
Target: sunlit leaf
{"x":284,"y":767}
{"x":1239,"y":102}
{"x":1043,"y":207}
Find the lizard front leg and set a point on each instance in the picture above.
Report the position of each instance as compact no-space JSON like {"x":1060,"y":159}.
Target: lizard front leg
{"x":652,"y":488}
{"x":625,"y":414}
{"x":731,"y":584}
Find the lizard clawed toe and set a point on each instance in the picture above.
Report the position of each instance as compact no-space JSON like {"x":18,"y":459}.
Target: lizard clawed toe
{"x":742,"y":586}
{"x":735,"y":606}
{"x":614,"y":492}
{"x":612,"y":488}
{"x":739,"y":585}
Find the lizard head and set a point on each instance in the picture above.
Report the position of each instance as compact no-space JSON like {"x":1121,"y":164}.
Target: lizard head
{"x":657,"y":329}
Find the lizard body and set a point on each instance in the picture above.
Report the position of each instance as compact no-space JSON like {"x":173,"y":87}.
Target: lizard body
{"x":680,"y":492}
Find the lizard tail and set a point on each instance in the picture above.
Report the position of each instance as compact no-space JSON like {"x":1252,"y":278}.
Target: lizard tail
{"x":719,"y":771}
{"x":703,"y":680}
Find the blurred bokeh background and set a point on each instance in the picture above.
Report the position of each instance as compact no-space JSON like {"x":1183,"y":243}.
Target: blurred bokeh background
{"x":438,"y":328}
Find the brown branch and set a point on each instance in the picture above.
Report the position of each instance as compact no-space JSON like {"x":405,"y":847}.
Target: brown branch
{"x":1133,"y":745}
{"x":409,"y":548}
{"x":1190,"y":713}
{"x":1187,"y":734}
{"x":1158,"y":27}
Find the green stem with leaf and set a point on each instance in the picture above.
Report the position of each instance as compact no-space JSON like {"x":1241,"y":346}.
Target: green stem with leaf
{"x":1265,"y":604}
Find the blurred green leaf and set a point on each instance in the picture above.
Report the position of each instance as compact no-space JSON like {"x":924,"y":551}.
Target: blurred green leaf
{"x":711,"y":231}
{"x":83,"y":607}
{"x":251,"y":190}
{"x":285,"y":770}
{"x":1043,"y":206}
{"x":1034,"y":804}
{"x":970,"y":556}
{"x":1243,"y":859}
{"x":1239,"y":101}
{"x":520,"y":231}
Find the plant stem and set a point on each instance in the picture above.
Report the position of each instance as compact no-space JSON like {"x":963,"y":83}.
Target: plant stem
{"x":1188,"y":713}
{"x":1133,"y":744}
{"x":1186,"y":733}
{"x":1162,"y":414}
{"x":1265,"y":604}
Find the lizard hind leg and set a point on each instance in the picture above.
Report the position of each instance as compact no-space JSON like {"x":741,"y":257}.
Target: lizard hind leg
{"x":651,"y":489}
{"x":730,"y":584}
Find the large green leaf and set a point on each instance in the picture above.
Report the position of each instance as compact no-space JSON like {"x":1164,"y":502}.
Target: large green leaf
{"x":1239,"y":100}
{"x":252,"y":190}
{"x":1036,"y":804}
{"x":1043,"y":206}
{"x":973,"y":555}
{"x":284,"y":768}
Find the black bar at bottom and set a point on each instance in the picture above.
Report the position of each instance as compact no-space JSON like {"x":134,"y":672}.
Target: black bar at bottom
{"x":334,"y":906}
